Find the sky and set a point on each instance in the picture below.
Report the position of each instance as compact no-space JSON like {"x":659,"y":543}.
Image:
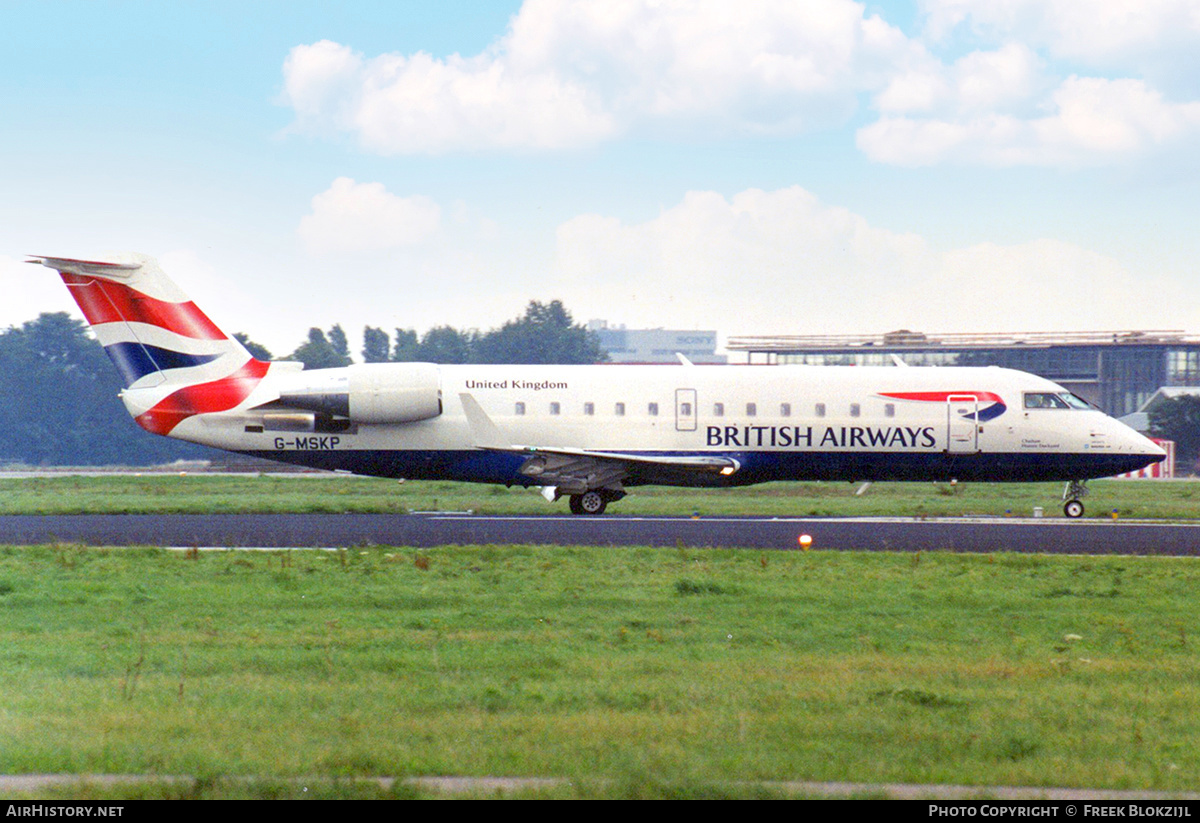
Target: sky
{"x":812,"y":167}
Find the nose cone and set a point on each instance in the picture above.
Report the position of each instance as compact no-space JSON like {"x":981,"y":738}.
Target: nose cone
{"x":1141,"y":444}
{"x":1139,"y":447}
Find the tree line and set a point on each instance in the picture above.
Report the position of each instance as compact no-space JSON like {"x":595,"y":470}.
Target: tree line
{"x":546,"y":333}
{"x":1178,"y":419}
{"x":59,"y":401}
{"x":59,"y":394}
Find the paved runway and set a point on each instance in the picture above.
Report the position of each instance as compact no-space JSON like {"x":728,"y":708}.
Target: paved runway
{"x":424,"y":530}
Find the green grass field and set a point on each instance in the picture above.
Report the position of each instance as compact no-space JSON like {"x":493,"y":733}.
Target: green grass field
{"x":631,"y":672}
{"x":198,"y":493}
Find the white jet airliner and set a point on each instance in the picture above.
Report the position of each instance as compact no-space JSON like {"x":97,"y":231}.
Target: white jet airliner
{"x":588,"y":432}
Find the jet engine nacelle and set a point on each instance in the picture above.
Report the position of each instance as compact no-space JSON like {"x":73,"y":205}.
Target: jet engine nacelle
{"x":370,"y":392}
{"x":394,"y":392}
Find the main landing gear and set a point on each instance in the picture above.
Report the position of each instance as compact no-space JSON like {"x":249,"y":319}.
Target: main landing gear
{"x":593,"y":502}
{"x":1073,"y":507}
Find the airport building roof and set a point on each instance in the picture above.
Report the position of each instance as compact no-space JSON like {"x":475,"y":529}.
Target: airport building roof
{"x":1117,"y":370}
{"x":904,"y":338}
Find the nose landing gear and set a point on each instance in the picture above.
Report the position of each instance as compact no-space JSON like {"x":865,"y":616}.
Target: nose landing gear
{"x":1073,"y":507}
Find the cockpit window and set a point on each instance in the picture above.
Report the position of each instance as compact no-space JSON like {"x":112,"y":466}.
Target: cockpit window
{"x":1054,"y":400}
{"x":1044,"y":400}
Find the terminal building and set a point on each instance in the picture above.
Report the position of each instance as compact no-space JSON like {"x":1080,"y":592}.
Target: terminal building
{"x":1116,"y":371}
{"x":655,"y":345}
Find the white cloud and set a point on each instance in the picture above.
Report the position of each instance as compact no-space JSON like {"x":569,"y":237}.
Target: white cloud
{"x":1005,"y":107}
{"x":997,"y":79}
{"x":776,"y":261}
{"x":783,"y":262}
{"x":569,"y":74}
{"x":399,"y":104}
{"x":980,"y":81}
{"x":1096,"y":32}
{"x":1044,"y":285}
{"x":1154,"y":40}
{"x":1092,"y":121}
{"x":576,"y":73}
{"x":355,"y":217}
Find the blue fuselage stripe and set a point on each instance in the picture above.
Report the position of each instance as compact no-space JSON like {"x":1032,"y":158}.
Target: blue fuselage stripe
{"x":755,"y":467}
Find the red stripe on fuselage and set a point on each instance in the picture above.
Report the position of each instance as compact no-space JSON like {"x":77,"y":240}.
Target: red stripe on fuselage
{"x":202,"y":398}
{"x":941,"y":396}
{"x":103,"y":301}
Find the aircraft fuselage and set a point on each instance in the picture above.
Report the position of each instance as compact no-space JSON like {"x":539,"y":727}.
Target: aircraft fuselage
{"x":776,"y":422}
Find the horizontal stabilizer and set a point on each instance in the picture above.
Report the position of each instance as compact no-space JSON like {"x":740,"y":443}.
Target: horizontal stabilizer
{"x":94,"y":267}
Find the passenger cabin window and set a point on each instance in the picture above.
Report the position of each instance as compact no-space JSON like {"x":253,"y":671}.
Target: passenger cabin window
{"x":555,"y":408}
{"x":889,"y":410}
{"x":1044,"y":400}
{"x":855,"y":410}
{"x":685,"y":409}
{"x":718,"y":409}
{"x":820,"y":409}
{"x":751,"y":409}
{"x":785,"y":409}
{"x":652,"y":409}
{"x":619,"y":410}
{"x":520,"y":408}
{"x":589,"y":408}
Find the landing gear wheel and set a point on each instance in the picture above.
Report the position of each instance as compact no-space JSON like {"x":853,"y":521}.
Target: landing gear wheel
{"x":593,"y":502}
{"x":588,"y":503}
{"x":1075,"y":489}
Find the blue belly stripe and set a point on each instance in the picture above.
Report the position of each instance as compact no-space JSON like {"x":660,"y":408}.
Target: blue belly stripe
{"x":757,"y":467}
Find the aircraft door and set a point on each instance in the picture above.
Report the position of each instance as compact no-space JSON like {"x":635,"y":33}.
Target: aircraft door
{"x":685,"y":410}
{"x":962,"y":430}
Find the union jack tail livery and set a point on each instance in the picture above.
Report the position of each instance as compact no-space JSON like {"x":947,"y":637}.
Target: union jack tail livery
{"x":174,"y":361}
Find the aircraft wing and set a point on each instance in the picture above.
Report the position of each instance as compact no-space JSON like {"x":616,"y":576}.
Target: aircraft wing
{"x":583,"y":469}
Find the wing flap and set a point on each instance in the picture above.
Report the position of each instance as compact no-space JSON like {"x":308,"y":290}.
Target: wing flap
{"x":695,"y":462}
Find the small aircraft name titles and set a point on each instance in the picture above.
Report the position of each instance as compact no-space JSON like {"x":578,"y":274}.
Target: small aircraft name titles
{"x":530,"y":385}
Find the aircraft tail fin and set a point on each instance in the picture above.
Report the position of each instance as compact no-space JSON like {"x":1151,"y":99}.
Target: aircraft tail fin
{"x":175,"y":362}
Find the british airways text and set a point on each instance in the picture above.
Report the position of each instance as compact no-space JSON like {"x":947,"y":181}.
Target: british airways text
{"x":838,"y":437}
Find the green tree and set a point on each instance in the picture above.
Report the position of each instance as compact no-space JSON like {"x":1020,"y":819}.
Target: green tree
{"x":256,"y":350}
{"x":376,"y":345}
{"x":1178,"y":419}
{"x":404,"y":350}
{"x":59,"y":402}
{"x":341,"y":346}
{"x":446,"y":344}
{"x":545,"y":334}
{"x":319,"y":352}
